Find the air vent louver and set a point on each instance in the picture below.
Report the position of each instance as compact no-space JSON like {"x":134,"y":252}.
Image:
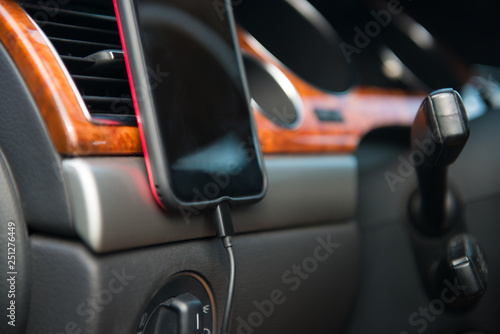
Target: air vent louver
{"x":85,"y":34}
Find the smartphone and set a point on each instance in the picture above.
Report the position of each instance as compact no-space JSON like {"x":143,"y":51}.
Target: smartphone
{"x":192,"y":102}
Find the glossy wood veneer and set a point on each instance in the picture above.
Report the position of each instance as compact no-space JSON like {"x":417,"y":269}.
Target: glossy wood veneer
{"x":74,"y":133}
{"x":70,"y":128}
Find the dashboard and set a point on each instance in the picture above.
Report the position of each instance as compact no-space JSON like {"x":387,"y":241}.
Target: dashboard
{"x":332,"y":248}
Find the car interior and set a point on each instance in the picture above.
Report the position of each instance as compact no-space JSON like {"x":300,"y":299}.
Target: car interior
{"x":378,"y":123}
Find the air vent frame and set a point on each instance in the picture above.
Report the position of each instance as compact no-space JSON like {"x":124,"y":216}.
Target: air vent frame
{"x":87,"y":43}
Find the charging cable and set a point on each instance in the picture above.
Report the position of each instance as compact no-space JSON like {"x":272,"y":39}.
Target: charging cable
{"x":224,"y":228}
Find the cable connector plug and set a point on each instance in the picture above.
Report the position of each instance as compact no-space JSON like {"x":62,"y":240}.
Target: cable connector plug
{"x":223,"y":221}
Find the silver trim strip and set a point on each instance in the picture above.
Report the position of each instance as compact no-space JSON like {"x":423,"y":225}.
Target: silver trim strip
{"x":286,"y":86}
{"x":114,"y":208}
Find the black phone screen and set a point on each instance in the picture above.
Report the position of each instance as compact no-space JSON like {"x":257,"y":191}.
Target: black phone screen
{"x":196,"y":87}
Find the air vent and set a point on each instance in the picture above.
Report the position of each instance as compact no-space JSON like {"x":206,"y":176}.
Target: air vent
{"x":85,"y":34}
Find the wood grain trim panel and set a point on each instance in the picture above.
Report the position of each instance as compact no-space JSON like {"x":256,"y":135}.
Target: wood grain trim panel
{"x":70,"y":129}
{"x":361,"y":109}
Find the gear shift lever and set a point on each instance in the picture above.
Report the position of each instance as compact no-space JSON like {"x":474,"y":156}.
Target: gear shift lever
{"x":445,"y":252}
{"x":440,"y":131}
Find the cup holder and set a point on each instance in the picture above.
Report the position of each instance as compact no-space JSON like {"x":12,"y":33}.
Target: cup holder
{"x":272,"y":93}
{"x":296,"y":34}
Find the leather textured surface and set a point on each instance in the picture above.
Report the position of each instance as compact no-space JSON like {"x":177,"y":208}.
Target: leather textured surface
{"x":391,"y":293}
{"x":14,"y":257}
{"x":34,"y":162}
{"x":73,"y":288}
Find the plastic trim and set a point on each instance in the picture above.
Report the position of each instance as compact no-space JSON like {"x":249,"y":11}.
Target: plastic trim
{"x":114,"y":207}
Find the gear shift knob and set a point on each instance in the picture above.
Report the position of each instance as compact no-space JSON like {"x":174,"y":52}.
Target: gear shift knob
{"x":442,"y":122}
{"x":467,"y":265}
{"x":440,"y":131}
